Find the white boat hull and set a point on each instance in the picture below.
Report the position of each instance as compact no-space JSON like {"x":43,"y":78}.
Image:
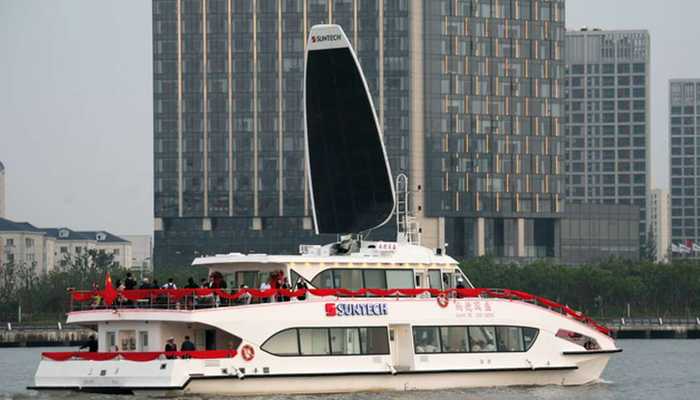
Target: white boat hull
{"x":192,"y":376}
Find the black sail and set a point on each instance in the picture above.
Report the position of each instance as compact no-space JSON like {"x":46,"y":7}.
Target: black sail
{"x":351,"y":185}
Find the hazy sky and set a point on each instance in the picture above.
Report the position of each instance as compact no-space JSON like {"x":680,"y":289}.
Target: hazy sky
{"x":76,"y":105}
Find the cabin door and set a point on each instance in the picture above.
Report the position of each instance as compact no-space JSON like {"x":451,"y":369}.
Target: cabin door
{"x":421,"y":280}
{"x":401,"y":347}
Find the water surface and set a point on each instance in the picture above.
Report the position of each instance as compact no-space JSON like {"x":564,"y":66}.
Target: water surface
{"x":647,"y":369}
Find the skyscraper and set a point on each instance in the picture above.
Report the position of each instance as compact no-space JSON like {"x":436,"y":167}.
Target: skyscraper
{"x":2,"y":190}
{"x":608,"y":118}
{"x":684,"y":125}
{"x":660,"y":223}
{"x":468,"y":93}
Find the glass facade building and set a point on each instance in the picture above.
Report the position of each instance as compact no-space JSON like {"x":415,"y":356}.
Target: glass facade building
{"x":608,"y":119}
{"x":684,"y":125}
{"x":469,"y":94}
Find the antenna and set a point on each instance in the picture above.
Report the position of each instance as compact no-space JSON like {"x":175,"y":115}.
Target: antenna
{"x":406,"y":225}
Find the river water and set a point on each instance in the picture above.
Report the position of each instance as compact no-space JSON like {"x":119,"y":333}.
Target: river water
{"x":647,"y":369}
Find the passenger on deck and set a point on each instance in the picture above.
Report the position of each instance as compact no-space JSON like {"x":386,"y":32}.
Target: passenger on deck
{"x":170,"y":346}
{"x":301,"y":284}
{"x":129,"y":282}
{"x":265,"y":285}
{"x":187,"y":345}
{"x":191,"y":284}
{"x":285,"y":285}
{"x":91,"y":344}
{"x":203,"y":283}
{"x":170,"y":284}
{"x":155,"y":284}
{"x":245,"y":297}
{"x":145,"y":284}
{"x":460,"y":285}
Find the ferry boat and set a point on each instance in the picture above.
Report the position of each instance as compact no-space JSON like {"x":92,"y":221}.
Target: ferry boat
{"x":361,"y":315}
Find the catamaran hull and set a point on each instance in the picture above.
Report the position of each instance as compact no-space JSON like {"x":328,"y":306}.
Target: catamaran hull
{"x":398,"y":382}
{"x":587,"y":369}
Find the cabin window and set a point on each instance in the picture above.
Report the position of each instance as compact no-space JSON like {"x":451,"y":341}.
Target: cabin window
{"x":529,"y":336}
{"x":477,"y":339}
{"x":111,"y":341}
{"x":586,"y":342}
{"x":347,"y":278}
{"x":374,"y":340}
{"x":314,"y":342}
{"x":399,"y":279}
{"x":454,"y":339}
{"x":327,"y":341}
{"x":285,"y":343}
{"x":375,"y":279}
{"x":324,"y":279}
{"x":434,"y":278}
{"x":364,"y":278}
{"x":510,"y":339}
{"x":482,"y":339}
{"x":426,"y":339}
{"x":345,"y":341}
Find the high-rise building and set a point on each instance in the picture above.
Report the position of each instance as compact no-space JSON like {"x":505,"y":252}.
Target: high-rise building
{"x":608,"y":118}
{"x":660,"y":223}
{"x":468,"y":93}
{"x":684,"y":125}
{"x":2,"y":190}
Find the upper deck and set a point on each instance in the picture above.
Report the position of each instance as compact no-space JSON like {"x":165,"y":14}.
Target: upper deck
{"x":369,"y":254}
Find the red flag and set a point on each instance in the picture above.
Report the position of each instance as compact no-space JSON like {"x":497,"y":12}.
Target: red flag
{"x":109,"y":294}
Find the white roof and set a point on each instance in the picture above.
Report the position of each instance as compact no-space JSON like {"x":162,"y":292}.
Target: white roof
{"x":371,"y":252}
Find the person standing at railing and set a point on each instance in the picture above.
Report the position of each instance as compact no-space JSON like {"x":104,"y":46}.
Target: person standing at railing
{"x":301,"y":284}
{"x":187,"y":345}
{"x":170,"y":346}
{"x":91,"y":344}
{"x":129,"y":282}
{"x":284,"y":285}
{"x":191,"y":284}
{"x":265,"y":285}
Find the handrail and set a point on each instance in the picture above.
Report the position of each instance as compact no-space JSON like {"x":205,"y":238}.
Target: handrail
{"x":137,"y":356}
{"x":176,"y":295}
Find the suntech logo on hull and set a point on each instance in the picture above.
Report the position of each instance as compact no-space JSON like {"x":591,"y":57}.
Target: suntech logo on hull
{"x":331,"y":37}
{"x":356,"y":309}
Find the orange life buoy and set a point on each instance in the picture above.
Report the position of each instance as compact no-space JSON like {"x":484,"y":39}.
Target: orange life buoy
{"x":247,"y":352}
{"x":443,"y":301}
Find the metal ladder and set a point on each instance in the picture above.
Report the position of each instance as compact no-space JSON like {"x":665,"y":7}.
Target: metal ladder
{"x":407,"y":230}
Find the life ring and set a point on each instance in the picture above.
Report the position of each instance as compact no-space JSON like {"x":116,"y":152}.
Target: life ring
{"x":443,"y":301}
{"x":247,"y":352}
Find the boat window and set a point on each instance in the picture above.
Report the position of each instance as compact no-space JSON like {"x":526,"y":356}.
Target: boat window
{"x":454,"y":339}
{"x":529,"y":336}
{"x":284,"y":343}
{"x":375,"y":279}
{"x":426,"y":339}
{"x":586,"y":342}
{"x":482,"y":339}
{"x":434,"y":277}
{"x":399,"y":279}
{"x":248,"y":278}
{"x":347,"y":278}
{"x":111,"y":341}
{"x":345,"y":341}
{"x":323,"y":280}
{"x":314,"y":342}
{"x":374,"y":340}
{"x":509,"y":339}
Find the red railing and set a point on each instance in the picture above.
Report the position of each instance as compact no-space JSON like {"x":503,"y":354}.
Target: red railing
{"x":174,"y":296}
{"x":137,"y":356}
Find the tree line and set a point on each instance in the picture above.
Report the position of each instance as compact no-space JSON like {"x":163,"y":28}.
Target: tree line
{"x":604,"y":290}
{"x":607,"y":289}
